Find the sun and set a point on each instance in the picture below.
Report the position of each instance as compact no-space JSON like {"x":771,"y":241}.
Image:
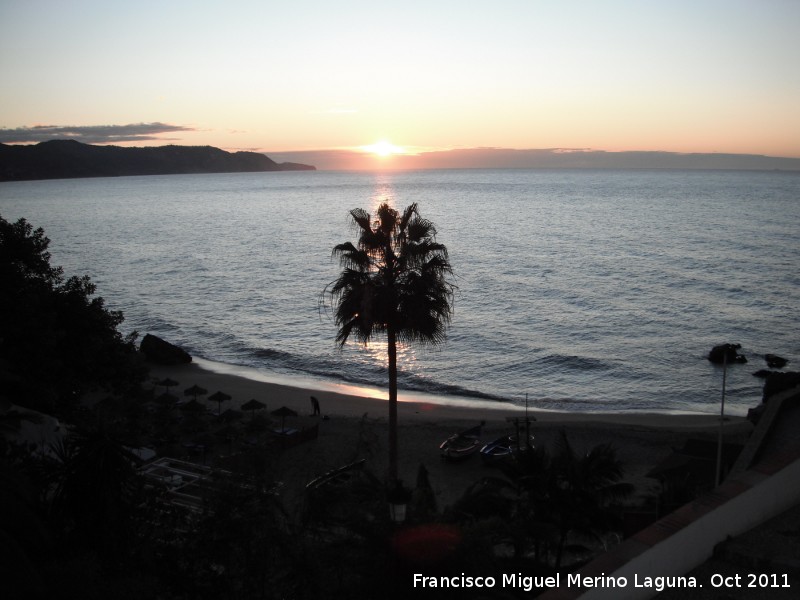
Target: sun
{"x":383,"y":148}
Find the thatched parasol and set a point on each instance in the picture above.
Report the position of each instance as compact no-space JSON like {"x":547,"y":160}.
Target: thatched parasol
{"x":167,"y":383}
{"x":203,"y":442}
{"x":228,"y":433}
{"x":219,"y":398}
{"x":283,"y":412}
{"x":193,"y":406}
{"x":193,"y":424}
{"x":229,"y":416}
{"x":195,"y":391}
{"x":166,"y":399}
{"x":253,"y":405}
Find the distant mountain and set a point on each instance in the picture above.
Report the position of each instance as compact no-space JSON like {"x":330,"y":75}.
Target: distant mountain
{"x":66,"y":159}
{"x":560,"y":158}
{"x":546,"y":158}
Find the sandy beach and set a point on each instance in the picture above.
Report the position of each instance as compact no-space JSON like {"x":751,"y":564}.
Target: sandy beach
{"x":352,"y":427}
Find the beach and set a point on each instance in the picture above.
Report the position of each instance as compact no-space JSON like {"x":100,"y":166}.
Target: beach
{"x":355,"y":426}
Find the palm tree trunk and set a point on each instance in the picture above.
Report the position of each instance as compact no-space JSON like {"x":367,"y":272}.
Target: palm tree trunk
{"x":392,"y":351}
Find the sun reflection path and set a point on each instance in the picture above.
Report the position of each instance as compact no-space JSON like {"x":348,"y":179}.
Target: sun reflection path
{"x":383,"y":191}
{"x":377,"y":354}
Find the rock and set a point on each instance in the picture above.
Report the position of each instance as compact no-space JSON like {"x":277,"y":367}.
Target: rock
{"x":719,"y":354}
{"x":162,"y":352}
{"x":754,"y":414}
{"x":764,"y":373}
{"x":774,"y":361}
{"x":779,"y":382}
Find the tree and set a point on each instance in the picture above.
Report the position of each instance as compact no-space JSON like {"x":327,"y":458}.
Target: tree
{"x":57,"y":339}
{"x":396,"y":281}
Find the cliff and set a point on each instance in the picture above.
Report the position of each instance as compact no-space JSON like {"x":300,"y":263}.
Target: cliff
{"x":65,"y":159}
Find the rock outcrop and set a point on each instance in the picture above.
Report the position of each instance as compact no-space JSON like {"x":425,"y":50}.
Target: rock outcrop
{"x":162,"y":352}
{"x":726,"y":353}
{"x":774,"y":361}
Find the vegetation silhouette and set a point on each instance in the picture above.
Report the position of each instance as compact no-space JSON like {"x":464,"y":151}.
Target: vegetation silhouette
{"x":396,"y":281}
{"x":58,"y":340}
{"x":545,"y":500}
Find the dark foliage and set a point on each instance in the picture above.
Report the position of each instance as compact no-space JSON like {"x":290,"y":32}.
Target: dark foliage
{"x":57,"y":341}
{"x":545,"y":500}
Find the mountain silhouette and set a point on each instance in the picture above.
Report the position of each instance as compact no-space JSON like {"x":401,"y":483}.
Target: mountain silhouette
{"x":66,"y":159}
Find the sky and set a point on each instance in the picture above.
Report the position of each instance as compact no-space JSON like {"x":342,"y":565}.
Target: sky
{"x":277,"y":77}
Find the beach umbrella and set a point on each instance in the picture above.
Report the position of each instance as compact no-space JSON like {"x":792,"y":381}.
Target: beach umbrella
{"x":193,"y":406}
{"x":253,"y":405}
{"x":204,"y":442}
{"x":193,"y":424}
{"x":166,"y":399}
{"x":167,"y":383}
{"x":228,"y":433}
{"x":195,"y":391}
{"x":283,"y":412}
{"x":229,"y":416}
{"x":219,"y":398}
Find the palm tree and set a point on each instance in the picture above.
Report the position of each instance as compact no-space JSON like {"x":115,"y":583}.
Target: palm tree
{"x":395,"y":281}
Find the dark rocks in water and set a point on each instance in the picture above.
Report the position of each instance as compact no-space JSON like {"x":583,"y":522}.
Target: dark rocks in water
{"x":719,"y":354}
{"x":764,"y":373}
{"x":754,"y":414}
{"x":780,"y":382}
{"x":774,"y":361}
{"x":162,"y":352}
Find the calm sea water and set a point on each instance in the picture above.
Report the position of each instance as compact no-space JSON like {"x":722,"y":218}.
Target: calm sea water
{"x":586,"y":290}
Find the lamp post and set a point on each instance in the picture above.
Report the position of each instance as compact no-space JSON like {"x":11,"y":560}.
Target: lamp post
{"x":721,"y":418}
{"x":398,"y":497}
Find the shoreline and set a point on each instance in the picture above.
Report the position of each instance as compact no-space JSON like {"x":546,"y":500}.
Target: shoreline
{"x":354,"y":427}
{"x":353,"y":400}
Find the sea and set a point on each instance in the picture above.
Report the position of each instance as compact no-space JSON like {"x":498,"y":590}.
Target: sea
{"x":578,"y":290}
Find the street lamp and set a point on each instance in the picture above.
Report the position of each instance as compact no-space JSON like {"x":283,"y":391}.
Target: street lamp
{"x":721,"y":419}
{"x":398,"y":497}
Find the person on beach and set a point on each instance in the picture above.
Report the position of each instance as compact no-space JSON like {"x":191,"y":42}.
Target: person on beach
{"x":315,"y":405}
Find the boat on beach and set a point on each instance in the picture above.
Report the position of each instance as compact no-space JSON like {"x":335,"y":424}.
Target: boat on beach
{"x":337,"y":477}
{"x":507,"y":445}
{"x":504,"y":447}
{"x":461,"y":446}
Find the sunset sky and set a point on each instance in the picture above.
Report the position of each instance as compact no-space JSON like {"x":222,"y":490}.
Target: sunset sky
{"x":683,"y":75}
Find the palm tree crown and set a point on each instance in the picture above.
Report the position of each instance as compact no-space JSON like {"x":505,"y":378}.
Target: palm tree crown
{"x":395,"y":278}
{"x":395,"y":282}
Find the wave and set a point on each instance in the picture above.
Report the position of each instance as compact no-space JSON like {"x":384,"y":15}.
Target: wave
{"x":582,"y":363}
{"x":346,"y":372}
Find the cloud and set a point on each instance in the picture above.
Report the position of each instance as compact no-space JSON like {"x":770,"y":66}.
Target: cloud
{"x":90,"y":134}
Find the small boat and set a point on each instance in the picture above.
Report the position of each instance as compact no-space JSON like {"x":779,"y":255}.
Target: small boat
{"x":497,"y":449}
{"x":462,"y":445}
{"x":503,"y":447}
{"x":337,"y":477}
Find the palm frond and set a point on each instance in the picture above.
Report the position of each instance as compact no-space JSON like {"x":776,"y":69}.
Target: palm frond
{"x":361,"y":219}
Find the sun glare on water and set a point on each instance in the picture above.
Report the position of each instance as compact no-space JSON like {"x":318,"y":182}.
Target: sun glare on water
{"x":383,"y":148}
